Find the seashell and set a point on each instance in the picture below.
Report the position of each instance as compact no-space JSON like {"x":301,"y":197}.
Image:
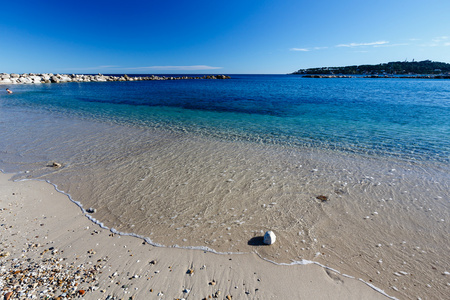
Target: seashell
{"x":269,"y":238}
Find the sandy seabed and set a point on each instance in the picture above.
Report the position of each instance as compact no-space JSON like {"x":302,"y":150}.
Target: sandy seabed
{"x":50,"y":249}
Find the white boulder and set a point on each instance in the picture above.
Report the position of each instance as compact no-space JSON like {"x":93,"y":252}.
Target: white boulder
{"x":269,"y":238}
{"x":6,"y":80}
{"x":24,"y":80}
{"x":64,"y":78}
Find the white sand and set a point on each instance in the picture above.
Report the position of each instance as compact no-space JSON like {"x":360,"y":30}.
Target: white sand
{"x":34,"y":218}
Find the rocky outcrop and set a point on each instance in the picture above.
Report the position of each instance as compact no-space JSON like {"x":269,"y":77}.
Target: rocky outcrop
{"x":61,"y":78}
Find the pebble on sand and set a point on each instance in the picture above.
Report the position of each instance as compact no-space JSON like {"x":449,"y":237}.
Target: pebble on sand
{"x":269,"y":238}
{"x":213,"y":282}
{"x":8,"y":295}
{"x":91,"y":210}
{"x":190,"y":271}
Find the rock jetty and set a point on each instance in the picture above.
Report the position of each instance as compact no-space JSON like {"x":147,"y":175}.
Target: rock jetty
{"x":61,"y":78}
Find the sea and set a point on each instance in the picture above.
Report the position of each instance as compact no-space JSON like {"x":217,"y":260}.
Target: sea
{"x":351,"y":173}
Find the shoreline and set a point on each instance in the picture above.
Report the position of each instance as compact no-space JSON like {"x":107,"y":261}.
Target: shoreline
{"x":375,"y":76}
{"x":101,"y":265}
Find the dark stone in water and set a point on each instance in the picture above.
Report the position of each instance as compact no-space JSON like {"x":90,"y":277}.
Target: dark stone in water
{"x":322,"y":198}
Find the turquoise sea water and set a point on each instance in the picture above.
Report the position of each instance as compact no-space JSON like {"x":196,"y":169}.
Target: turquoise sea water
{"x":408,"y":119}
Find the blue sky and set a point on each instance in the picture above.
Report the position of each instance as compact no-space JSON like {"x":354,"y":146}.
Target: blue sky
{"x":222,"y":37}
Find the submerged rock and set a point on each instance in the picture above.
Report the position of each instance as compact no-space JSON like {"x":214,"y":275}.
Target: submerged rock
{"x":322,"y":198}
{"x":269,"y":238}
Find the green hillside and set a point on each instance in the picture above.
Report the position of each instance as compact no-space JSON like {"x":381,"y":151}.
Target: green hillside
{"x":393,"y":68}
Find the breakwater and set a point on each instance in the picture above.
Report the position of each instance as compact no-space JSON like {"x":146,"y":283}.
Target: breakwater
{"x":60,"y":78}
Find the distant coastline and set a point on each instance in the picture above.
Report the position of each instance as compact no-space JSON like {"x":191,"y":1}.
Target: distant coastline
{"x":61,"y":78}
{"x":426,"y":69}
{"x":418,"y":76}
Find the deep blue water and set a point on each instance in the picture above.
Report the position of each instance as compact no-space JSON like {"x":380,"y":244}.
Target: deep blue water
{"x":404,"y":118}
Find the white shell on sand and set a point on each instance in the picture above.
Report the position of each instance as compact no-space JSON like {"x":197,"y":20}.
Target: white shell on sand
{"x":269,"y":238}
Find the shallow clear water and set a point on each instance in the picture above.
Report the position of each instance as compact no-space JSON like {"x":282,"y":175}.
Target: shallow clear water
{"x":215,"y":163}
{"x":409,"y":119}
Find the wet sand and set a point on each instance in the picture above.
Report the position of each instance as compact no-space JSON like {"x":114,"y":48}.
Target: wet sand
{"x":45,"y":235}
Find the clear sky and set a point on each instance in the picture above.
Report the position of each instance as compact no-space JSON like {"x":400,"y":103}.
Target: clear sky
{"x":217,"y":37}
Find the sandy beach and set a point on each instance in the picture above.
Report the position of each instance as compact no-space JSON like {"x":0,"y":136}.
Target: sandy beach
{"x":51,"y":250}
